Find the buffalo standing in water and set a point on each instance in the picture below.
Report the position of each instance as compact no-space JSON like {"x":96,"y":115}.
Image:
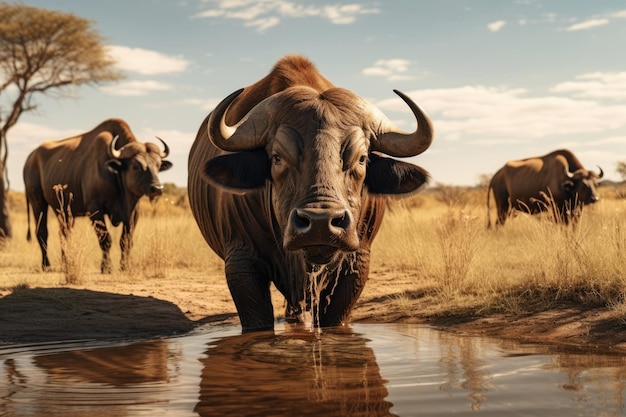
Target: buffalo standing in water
{"x":288,"y":184}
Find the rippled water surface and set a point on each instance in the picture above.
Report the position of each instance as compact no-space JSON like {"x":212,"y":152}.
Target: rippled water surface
{"x":360,"y":370}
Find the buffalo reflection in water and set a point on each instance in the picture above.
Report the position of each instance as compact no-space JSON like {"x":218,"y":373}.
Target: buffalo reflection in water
{"x":107,"y":381}
{"x":293,"y":373}
{"x":137,"y":363}
{"x":298,"y":372}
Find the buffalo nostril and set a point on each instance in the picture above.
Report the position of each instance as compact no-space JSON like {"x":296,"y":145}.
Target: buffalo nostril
{"x":320,"y":222}
{"x":342,"y":222}
{"x":300,"y":221}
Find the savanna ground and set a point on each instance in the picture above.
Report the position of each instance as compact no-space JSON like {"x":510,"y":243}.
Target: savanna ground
{"x":434,"y":262}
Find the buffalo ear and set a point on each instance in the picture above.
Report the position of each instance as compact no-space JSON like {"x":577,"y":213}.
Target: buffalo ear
{"x":113,"y":165}
{"x":238,"y":172}
{"x":390,"y":176}
{"x":165,"y":165}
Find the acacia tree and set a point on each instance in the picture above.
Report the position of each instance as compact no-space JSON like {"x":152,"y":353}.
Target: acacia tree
{"x":47,"y":52}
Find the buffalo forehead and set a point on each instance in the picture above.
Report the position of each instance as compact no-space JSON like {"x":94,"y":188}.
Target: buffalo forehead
{"x":333,"y":107}
{"x":288,"y":143}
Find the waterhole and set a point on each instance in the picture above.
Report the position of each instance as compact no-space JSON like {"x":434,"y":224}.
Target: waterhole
{"x":356,"y":370}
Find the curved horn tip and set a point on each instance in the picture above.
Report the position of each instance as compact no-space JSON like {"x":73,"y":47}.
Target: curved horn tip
{"x":425,"y":119}
{"x":245,"y":134}
{"x":113,"y":152}
{"x":166,"y":149}
{"x":601,"y":173}
{"x":402,"y":144}
{"x":216,"y":130}
{"x":400,"y":93}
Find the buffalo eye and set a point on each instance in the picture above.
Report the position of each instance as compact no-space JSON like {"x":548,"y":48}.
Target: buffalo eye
{"x":276,"y":159}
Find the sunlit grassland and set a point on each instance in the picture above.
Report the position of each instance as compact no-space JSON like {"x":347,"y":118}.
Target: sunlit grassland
{"x":530,"y":264}
{"x":167,"y":243}
{"x":438,"y":239}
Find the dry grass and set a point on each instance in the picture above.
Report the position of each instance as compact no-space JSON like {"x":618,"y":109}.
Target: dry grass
{"x":528,"y":265}
{"x":166,"y":239}
{"x":433,"y":249}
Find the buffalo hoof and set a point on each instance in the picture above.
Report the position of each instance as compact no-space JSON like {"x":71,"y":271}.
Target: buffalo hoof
{"x":45,"y":265}
{"x":105,"y":268}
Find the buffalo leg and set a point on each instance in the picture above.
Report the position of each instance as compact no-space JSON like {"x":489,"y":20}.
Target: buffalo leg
{"x":41,"y":219}
{"x":126,"y":243}
{"x":104,"y":239}
{"x":503,"y":209}
{"x":251,"y":294}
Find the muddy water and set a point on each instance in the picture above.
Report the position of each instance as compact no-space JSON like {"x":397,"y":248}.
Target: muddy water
{"x":360,"y":370}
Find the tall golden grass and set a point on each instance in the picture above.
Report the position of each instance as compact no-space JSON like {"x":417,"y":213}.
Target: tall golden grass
{"x":166,"y":242}
{"x":529,"y":264}
{"x":438,"y":238}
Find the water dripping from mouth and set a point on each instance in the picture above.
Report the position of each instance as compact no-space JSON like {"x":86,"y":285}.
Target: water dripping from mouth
{"x":316,"y":274}
{"x":319,"y":277}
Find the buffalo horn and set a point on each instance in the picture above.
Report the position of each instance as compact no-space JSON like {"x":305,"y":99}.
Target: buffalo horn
{"x":246,"y":134}
{"x":166,"y":149}
{"x":395,"y":142}
{"x":601,"y":173}
{"x":114,"y":153}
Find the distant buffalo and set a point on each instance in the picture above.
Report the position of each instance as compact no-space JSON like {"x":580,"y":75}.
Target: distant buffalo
{"x":288,"y":183}
{"x":102,"y":172}
{"x":556,"y":182}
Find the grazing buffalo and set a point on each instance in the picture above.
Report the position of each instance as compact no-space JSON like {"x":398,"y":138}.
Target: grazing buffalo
{"x":101,"y":172}
{"x":288,"y":183}
{"x":556,"y":182}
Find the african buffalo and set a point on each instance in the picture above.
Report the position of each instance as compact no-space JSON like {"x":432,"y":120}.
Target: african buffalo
{"x":288,"y":184}
{"x":556,"y":182}
{"x":101,"y":172}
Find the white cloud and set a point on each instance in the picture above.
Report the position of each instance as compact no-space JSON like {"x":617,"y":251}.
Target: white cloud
{"x":498,"y":112}
{"x":611,"y":140}
{"x":618,"y":15}
{"x":264,"y":14}
{"x":596,"y":21}
{"x":587,"y":24}
{"x":202,"y":104}
{"x":496,"y":26}
{"x":146,"y":62}
{"x":392,"y":69}
{"x":599,"y":85}
{"x":342,"y":15}
{"x":571,"y":24}
{"x":135,"y":88}
{"x":263,"y":24}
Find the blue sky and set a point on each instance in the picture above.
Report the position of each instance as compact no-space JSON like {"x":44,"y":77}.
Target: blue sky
{"x":501,"y":79}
